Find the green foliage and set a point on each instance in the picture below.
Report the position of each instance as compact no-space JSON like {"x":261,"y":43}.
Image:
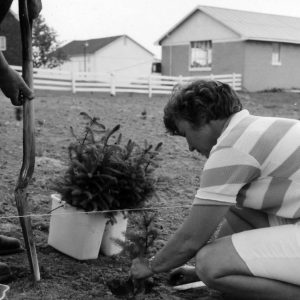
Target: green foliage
{"x":107,"y":176}
{"x":140,"y":242}
{"x":45,"y":45}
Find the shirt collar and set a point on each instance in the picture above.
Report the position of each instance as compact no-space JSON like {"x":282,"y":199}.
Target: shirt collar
{"x":230,"y":123}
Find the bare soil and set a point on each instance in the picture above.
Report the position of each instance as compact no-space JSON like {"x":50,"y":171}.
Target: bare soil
{"x":179,"y":173}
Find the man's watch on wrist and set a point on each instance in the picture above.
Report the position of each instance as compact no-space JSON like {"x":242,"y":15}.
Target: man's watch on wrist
{"x":150,"y":260}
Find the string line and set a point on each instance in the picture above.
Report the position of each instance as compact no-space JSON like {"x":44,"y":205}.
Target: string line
{"x":94,"y":212}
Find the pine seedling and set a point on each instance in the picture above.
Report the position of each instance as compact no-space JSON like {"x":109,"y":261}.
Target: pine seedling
{"x":140,"y":242}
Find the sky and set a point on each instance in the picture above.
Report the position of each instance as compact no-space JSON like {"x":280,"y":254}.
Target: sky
{"x":145,"y":21}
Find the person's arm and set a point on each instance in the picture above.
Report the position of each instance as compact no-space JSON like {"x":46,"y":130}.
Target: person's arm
{"x":185,"y":243}
{"x":34,"y":8}
{"x":11,"y":83}
{"x":3,"y":63}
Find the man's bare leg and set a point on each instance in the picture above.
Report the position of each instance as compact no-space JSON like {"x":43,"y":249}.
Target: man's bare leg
{"x":220,"y":267}
{"x":236,"y":220}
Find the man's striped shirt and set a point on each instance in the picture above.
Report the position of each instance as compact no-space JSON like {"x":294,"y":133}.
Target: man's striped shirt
{"x":255,"y":164}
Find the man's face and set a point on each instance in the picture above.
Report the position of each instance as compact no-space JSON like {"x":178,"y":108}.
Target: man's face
{"x":200,"y":139}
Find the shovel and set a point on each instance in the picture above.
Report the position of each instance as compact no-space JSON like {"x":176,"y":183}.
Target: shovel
{"x":28,"y":142}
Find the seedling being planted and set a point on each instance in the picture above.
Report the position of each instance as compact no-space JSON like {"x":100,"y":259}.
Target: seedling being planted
{"x":139,"y":242}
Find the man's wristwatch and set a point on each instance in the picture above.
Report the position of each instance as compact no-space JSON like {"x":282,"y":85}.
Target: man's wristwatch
{"x":150,"y":264}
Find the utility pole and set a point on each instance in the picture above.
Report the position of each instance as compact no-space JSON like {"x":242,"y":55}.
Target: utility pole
{"x":85,"y":45}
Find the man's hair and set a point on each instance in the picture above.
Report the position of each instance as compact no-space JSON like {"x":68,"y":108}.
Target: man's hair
{"x":200,"y":102}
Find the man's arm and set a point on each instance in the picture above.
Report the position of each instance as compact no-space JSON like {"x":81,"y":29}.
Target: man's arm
{"x":185,"y":243}
{"x":11,"y":83}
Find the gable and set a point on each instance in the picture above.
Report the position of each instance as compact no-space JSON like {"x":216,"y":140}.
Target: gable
{"x":125,"y":47}
{"x":11,"y":18}
{"x":199,"y":26}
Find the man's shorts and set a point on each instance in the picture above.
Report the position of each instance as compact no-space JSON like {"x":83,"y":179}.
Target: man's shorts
{"x":272,"y":252}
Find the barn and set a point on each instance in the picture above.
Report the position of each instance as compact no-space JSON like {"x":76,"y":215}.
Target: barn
{"x":264,"y":48}
{"x":10,"y":39}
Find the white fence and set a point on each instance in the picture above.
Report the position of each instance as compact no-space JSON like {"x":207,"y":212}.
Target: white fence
{"x":50,"y":79}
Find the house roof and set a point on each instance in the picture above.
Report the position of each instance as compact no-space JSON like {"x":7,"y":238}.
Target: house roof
{"x":4,"y":14}
{"x":250,"y":25}
{"x":16,"y":16}
{"x":76,"y":47}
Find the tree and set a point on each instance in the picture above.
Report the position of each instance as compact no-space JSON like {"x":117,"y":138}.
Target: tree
{"x":45,"y":45}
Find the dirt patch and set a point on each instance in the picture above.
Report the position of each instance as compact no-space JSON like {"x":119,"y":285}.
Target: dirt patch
{"x":179,"y":176}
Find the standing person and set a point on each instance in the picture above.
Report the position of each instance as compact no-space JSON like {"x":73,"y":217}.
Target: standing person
{"x":14,"y":87}
{"x":251,"y":179}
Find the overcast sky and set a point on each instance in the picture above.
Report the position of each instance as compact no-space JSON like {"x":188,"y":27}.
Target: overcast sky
{"x":143,"y":20}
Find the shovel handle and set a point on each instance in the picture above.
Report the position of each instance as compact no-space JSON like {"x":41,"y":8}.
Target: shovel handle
{"x":28,"y":141}
{"x":28,"y":109}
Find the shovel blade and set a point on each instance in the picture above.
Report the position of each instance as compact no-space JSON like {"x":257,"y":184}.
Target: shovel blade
{"x":21,"y":203}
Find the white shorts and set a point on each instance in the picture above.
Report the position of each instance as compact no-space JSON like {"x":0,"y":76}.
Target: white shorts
{"x":272,"y":252}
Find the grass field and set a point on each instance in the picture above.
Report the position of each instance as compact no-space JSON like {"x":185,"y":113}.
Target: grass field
{"x":178,"y":178}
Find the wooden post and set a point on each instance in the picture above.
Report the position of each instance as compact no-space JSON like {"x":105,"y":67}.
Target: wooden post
{"x":180,"y":79}
{"x":112,"y":84}
{"x":73,"y":79}
{"x":150,"y":86}
{"x":233,"y":81}
{"x":28,"y":141}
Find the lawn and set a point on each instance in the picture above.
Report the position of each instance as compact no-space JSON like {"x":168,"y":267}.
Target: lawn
{"x":178,"y":177}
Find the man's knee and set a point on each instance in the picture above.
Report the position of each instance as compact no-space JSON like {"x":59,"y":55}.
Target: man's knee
{"x":206,"y":268}
{"x":218,"y":260}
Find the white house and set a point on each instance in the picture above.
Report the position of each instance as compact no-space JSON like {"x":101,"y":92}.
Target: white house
{"x":120,"y":55}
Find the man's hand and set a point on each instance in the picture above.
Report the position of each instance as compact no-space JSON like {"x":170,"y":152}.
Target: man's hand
{"x":34,"y":8}
{"x":14,"y":87}
{"x":140,"y":269}
{"x":183,"y":275}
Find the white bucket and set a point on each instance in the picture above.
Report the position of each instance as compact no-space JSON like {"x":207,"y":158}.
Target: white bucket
{"x":112,"y":233}
{"x":74,"y":232}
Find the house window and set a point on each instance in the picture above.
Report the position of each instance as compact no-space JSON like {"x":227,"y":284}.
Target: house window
{"x":2,"y":43}
{"x":276,"y":60}
{"x":201,"y":55}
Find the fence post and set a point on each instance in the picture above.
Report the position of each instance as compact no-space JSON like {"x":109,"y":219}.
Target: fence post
{"x":180,"y":79}
{"x":73,"y":79}
{"x":233,"y":81}
{"x":112,"y":84}
{"x":150,"y":86}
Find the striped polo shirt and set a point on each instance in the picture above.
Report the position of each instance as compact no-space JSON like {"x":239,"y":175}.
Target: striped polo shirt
{"x":255,"y":164}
